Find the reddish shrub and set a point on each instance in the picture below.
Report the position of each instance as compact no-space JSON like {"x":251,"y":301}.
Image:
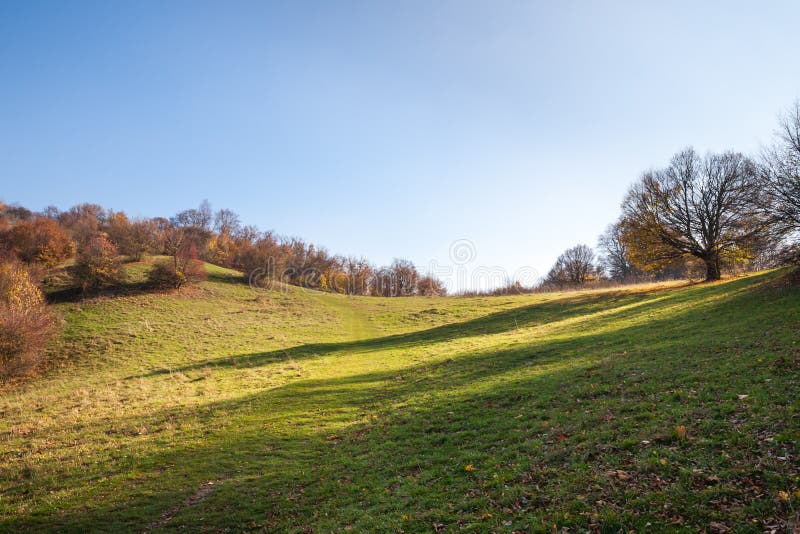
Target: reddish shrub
{"x":185,"y":268}
{"x":40,"y":240}
{"x":26,"y":324}
{"x":98,"y":265}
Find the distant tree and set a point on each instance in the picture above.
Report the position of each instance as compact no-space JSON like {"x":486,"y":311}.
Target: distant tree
{"x":226,"y":222}
{"x":699,"y":207}
{"x":258,"y":259}
{"x":189,"y":263}
{"x":404,"y":277}
{"x":359,"y":274}
{"x":14,"y":214}
{"x":119,"y":230}
{"x":39,"y":240}
{"x":429,"y":286}
{"x":247,"y":234}
{"x":97,"y":265}
{"x":383,"y":284}
{"x":83,"y":221}
{"x":51,"y":212}
{"x":573,"y":267}
{"x":146,"y":238}
{"x":199,"y":218}
{"x":780,"y":173}
{"x":26,"y":324}
{"x":184,"y":268}
{"x":195,"y":225}
{"x":615,"y":254}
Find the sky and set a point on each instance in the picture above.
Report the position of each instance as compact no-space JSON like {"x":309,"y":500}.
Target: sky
{"x":461,"y":135}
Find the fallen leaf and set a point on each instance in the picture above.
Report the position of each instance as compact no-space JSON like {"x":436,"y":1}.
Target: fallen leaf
{"x":618,"y":473}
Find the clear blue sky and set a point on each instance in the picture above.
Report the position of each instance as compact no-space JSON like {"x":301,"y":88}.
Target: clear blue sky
{"x":383,"y":128}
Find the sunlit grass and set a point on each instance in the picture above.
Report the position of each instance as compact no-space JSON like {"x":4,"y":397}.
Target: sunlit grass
{"x":220,"y":407}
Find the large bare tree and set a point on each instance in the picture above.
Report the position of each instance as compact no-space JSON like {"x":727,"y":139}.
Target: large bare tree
{"x":702,"y":207}
{"x":781,"y":173}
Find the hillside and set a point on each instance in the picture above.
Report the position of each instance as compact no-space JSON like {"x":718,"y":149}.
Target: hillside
{"x":221,"y":407}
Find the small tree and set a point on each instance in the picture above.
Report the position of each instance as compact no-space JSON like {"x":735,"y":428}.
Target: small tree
{"x":429,"y":286}
{"x":98,"y":265}
{"x":26,"y":324}
{"x":184,"y":268}
{"x":574,"y":267}
{"x":187,"y":261}
{"x":404,"y":277}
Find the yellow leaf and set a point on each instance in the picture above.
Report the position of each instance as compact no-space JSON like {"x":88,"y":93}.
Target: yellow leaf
{"x":783,"y":495}
{"x":469,"y":468}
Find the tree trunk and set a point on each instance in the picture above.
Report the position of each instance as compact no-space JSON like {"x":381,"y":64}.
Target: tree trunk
{"x":712,"y":268}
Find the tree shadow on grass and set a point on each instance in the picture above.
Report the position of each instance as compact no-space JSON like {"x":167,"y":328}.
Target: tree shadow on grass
{"x":428,"y":420}
{"x":586,"y":307}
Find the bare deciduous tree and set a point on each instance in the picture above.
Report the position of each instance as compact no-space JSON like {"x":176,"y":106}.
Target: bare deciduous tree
{"x":781,"y":175}
{"x":702,"y":207}
{"x":574,"y":267}
{"x":615,"y":256}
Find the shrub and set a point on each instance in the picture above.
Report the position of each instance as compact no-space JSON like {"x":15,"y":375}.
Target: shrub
{"x":26,"y":324}
{"x":184,"y":268}
{"x":429,"y":286}
{"x":164,"y":275}
{"x":187,"y":262}
{"x":40,"y":240}
{"x":98,"y":265}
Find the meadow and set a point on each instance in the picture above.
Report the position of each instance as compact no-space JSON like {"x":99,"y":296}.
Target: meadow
{"x":221,"y":408}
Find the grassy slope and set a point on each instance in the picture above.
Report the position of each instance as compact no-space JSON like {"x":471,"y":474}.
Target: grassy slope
{"x":224,"y":407}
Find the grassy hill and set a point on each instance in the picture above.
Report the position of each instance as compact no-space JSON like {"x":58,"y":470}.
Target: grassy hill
{"x":224,"y":408}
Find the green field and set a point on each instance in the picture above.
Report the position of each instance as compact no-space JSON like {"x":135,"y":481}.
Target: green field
{"x":222,"y":408}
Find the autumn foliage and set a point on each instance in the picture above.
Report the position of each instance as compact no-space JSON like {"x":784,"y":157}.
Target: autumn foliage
{"x":39,"y":240}
{"x":98,"y":265}
{"x":26,"y":324}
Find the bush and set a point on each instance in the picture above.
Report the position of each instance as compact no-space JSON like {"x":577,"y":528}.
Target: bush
{"x":26,"y":324}
{"x":189,"y":264}
{"x":184,"y":268}
{"x":40,"y":240}
{"x":98,"y":265}
{"x":164,"y":275}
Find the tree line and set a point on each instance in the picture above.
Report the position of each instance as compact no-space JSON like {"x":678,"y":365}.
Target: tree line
{"x":700,"y":216}
{"x":101,"y":239}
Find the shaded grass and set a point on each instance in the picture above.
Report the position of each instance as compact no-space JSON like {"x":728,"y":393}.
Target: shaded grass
{"x":362,"y":414}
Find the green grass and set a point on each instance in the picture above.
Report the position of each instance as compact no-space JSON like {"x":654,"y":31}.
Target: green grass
{"x":221,"y":408}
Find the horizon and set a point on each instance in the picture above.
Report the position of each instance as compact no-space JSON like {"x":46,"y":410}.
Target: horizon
{"x":383,"y":130}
